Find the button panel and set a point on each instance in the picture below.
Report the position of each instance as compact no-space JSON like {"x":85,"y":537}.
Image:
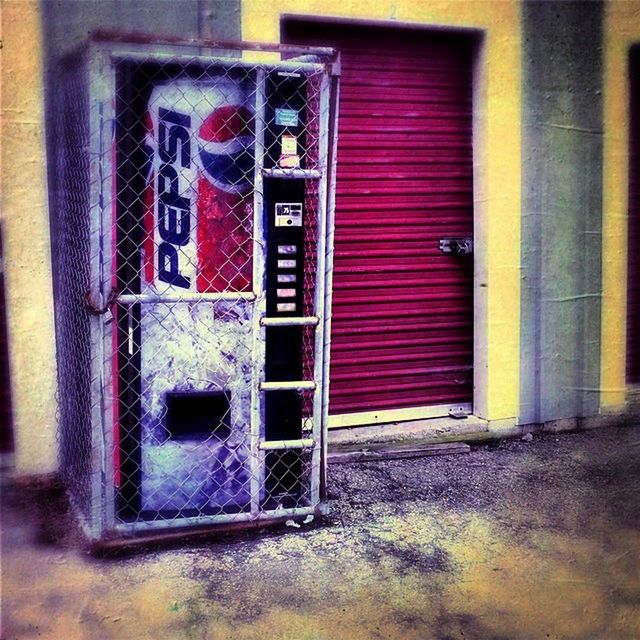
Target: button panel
{"x":286,"y":247}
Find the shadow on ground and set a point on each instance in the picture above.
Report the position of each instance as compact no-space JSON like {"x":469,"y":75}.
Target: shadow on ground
{"x":519,"y":540}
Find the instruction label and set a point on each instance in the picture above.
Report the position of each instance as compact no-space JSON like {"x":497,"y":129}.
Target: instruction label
{"x":287,"y":117}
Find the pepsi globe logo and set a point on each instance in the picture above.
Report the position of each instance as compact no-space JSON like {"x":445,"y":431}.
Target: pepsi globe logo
{"x":225,"y":141}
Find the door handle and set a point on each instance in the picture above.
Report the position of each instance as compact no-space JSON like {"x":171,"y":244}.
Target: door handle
{"x":456,"y":246}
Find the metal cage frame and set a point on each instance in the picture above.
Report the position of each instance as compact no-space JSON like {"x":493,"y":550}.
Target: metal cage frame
{"x":86,"y":167}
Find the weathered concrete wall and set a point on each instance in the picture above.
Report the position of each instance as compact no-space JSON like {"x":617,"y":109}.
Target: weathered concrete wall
{"x":561,"y":209}
{"x":551,"y":360}
{"x":26,"y":239}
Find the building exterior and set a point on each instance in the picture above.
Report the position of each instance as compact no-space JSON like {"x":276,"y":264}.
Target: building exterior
{"x":508,"y":123}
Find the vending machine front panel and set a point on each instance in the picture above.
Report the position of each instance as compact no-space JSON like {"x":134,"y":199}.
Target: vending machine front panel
{"x":184,"y":151}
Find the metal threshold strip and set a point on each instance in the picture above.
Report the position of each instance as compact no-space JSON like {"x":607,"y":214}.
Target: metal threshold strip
{"x":294,"y":385}
{"x":311,"y":321}
{"x":302,"y":443}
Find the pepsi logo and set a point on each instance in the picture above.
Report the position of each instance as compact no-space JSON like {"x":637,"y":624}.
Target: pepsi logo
{"x":225,"y":140}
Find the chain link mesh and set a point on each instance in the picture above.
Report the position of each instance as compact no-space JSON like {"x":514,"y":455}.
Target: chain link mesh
{"x":72,"y":279}
{"x":181,"y":432}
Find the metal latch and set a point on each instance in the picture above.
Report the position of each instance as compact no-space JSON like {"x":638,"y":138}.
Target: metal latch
{"x":458,"y":413}
{"x":456,"y":246}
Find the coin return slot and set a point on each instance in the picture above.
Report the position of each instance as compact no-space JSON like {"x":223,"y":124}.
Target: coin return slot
{"x":287,"y":264}
{"x":286,"y":293}
{"x":286,"y":278}
{"x":287,"y":249}
{"x":286,"y":306}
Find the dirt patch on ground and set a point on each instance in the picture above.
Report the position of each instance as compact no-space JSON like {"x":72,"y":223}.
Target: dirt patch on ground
{"x":513,"y":540}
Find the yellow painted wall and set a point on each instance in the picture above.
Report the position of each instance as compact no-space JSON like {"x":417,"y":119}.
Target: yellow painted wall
{"x":25,"y":212}
{"x":497,"y":165}
{"x":622,"y":29}
{"x":26,"y":238}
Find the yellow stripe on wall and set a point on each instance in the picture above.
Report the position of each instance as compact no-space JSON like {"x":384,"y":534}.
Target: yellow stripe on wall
{"x":622,"y":29}
{"x":25,"y":222}
{"x":497,"y":162}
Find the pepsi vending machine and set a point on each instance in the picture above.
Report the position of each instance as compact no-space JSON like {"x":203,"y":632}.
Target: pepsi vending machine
{"x":207,"y":301}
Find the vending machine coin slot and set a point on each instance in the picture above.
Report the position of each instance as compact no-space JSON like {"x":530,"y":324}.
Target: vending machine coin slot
{"x":288,"y":214}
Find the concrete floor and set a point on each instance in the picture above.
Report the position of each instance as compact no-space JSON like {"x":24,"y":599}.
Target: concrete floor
{"x":513,"y":540}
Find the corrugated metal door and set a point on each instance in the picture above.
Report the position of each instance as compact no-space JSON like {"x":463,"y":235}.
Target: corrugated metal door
{"x":402,"y":332}
{"x":633,"y":306}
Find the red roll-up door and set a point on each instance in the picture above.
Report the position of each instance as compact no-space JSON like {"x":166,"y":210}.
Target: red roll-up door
{"x":633,"y":289}
{"x":402,"y":333}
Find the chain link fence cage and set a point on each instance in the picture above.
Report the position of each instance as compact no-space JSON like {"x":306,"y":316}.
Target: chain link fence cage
{"x":192,"y":229}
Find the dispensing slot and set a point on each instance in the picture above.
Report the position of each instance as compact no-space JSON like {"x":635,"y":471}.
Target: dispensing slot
{"x":197,"y":416}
